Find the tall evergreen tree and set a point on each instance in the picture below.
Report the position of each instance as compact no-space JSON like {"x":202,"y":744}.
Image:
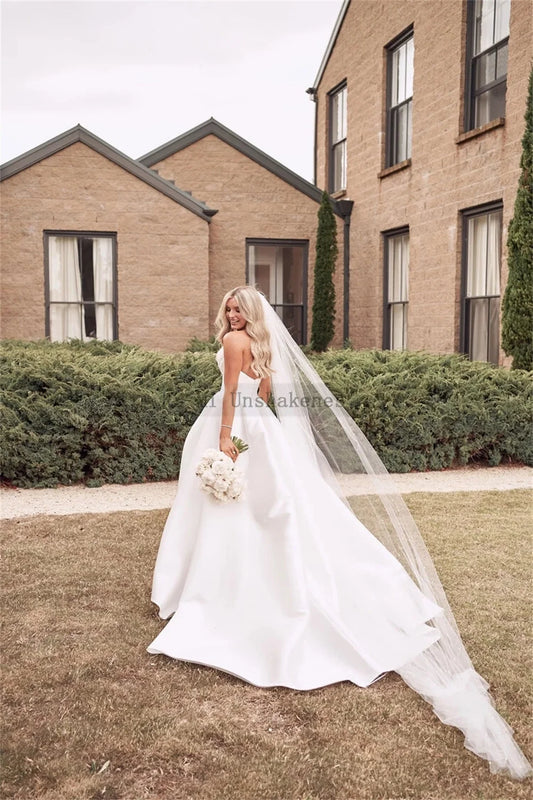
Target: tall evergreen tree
{"x":517,"y":308}
{"x":323,"y":326}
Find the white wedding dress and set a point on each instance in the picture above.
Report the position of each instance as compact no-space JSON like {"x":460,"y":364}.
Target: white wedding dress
{"x":284,"y":587}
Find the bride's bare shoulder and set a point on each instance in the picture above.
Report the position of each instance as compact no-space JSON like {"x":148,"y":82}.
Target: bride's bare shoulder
{"x":234,"y":341}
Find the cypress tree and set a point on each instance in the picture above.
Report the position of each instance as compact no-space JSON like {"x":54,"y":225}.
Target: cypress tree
{"x":323,"y":326}
{"x":517,"y":307}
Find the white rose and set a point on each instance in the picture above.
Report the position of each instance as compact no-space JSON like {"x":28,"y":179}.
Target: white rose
{"x":211,"y":454}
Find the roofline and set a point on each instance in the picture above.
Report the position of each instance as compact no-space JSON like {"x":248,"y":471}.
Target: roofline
{"x":331,"y":45}
{"x":215,"y":128}
{"x":81,"y":134}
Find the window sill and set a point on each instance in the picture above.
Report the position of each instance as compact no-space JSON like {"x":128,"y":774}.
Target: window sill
{"x":489,"y":126}
{"x":338,"y":195}
{"x":395,"y":168}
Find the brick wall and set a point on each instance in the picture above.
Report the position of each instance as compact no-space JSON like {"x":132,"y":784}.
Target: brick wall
{"x":162,"y":248}
{"x":444,"y":178}
{"x":252,"y":202}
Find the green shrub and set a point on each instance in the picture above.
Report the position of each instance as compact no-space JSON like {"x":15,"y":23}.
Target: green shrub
{"x":112,"y":413}
{"x":422,"y":411}
{"x":323,"y":324}
{"x":517,"y":305}
{"x":196,"y":345}
{"x":98,"y":413}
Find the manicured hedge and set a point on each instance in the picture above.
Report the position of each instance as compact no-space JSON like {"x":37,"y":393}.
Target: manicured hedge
{"x":422,"y":411}
{"x":98,"y":413}
{"x":112,"y":413}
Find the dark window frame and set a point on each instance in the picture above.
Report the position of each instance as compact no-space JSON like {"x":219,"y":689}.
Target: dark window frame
{"x":391,"y":145}
{"x":471,"y":93}
{"x":341,"y":142}
{"x":464,"y":319}
{"x":80,"y":235}
{"x":304,"y":243}
{"x":386,"y":237}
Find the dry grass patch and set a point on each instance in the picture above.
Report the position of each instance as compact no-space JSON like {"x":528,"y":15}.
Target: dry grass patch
{"x":89,"y":714}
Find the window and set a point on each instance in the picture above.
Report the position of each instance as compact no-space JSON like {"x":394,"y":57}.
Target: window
{"x":400,"y":63}
{"x":481,"y":283}
{"x":487,"y":50}
{"x":337,"y":164}
{"x":396,"y":290}
{"x":80,"y":286}
{"x":279,"y":269}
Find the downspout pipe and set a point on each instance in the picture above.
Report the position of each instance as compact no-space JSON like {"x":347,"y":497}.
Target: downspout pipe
{"x":345,"y":209}
{"x":312,"y":92}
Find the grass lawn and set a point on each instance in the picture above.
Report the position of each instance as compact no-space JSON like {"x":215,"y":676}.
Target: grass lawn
{"x":89,"y":714}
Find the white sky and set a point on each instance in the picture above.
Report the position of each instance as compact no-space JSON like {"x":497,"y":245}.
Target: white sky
{"x":138,"y":74}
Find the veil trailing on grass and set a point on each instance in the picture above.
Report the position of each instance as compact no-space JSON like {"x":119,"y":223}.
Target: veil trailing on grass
{"x":316,"y":425}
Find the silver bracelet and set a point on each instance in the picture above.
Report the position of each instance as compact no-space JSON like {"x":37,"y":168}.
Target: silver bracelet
{"x":226,"y":426}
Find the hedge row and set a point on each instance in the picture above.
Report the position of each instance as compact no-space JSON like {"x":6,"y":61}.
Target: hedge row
{"x":97,"y":413}
{"x":112,"y":413}
{"x":426,"y":412}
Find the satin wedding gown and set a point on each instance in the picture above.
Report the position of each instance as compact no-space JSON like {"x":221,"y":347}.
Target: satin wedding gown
{"x":284,"y":587}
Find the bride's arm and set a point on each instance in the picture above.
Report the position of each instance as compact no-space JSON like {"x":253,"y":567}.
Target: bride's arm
{"x":232,"y":368}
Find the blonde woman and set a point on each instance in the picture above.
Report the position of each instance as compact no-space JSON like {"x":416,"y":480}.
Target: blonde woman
{"x":246,"y":349}
{"x":286,"y":586}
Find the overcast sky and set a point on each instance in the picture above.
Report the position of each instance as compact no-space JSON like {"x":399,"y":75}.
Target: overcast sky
{"x":137,"y":74}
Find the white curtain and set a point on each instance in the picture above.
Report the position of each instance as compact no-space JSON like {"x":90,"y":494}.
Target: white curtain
{"x":483,"y":111}
{"x":483,"y":280}
{"x":339,"y":106}
{"x":399,"y":269}
{"x":476,"y":283}
{"x":103,"y":286}
{"x":484,"y":14}
{"x":409,"y":66}
{"x":398,"y":326}
{"x":501,"y":24}
{"x":493,"y":254}
{"x":479,"y":326}
{"x":484,"y":236}
{"x":66,"y":311}
{"x":398,"y":290}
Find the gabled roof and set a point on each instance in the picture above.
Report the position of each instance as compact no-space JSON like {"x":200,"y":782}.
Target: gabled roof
{"x":331,"y":45}
{"x":80,"y":134}
{"x":215,"y":128}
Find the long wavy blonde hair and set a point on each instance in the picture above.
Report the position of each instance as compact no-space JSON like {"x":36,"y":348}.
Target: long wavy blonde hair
{"x":251,"y":309}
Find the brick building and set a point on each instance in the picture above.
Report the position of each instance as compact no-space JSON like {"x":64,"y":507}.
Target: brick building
{"x":98,"y":245}
{"x":265,"y":226}
{"x":95,"y":244}
{"x":419,"y":118}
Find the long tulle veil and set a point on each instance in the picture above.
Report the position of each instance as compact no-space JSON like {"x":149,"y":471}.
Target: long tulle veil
{"x":316,"y":424}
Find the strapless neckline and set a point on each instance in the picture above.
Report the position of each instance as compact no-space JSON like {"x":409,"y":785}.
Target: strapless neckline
{"x":219,"y":355}
{"x":249,"y":376}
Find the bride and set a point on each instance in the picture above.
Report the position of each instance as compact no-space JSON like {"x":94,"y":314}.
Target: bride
{"x":289,"y":586}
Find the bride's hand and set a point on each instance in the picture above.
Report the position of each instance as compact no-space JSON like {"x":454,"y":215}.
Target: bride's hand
{"x":228,"y":448}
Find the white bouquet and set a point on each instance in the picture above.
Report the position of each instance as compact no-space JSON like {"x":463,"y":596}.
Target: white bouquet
{"x":219,"y":476}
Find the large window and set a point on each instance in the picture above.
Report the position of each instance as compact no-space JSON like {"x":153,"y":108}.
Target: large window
{"x":396,"y":290}
{"x":482,"y":233}
{"x":279,"y":269}
{"x":337,"y":127}
{"x":487,"y":50}
{"x":400,"y":64}
{"x":80,"y":286}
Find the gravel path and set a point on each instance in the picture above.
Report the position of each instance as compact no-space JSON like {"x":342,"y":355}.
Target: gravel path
{"x":149,"y":496}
